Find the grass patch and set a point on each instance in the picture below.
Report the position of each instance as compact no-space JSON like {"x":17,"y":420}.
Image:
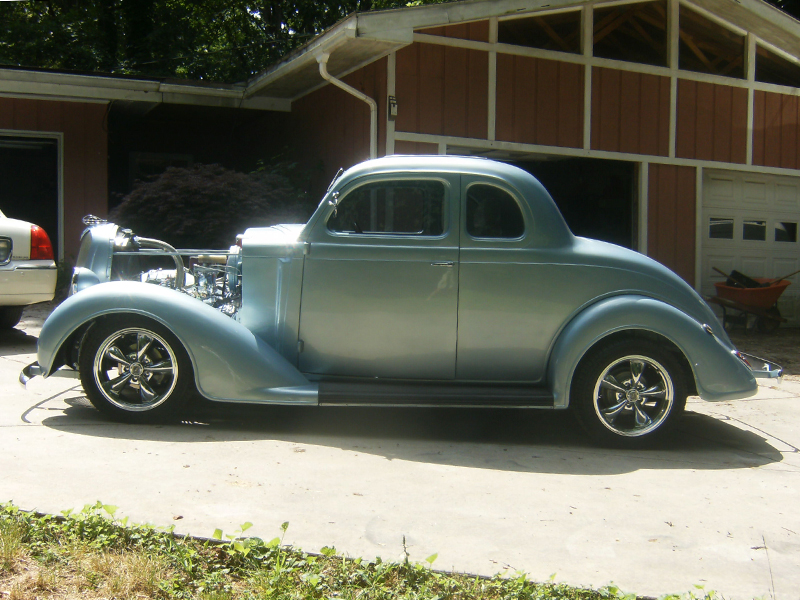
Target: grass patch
{"x":92,"y":555}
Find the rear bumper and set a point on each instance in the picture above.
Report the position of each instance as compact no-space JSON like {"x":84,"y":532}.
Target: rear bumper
{"x":762,"y":369}
{"x":27,"y":283}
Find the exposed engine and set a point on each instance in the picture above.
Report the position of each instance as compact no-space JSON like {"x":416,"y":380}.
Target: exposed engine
{"x":211,"y":276}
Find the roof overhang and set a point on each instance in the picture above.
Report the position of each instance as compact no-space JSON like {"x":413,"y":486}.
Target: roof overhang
{"x":350,"y":45}
{"x":362,"y":38}
{"x":49,"y":85}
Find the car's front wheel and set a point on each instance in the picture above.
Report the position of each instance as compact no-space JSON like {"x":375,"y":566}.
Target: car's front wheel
{"x":135,"y":370}
{"x":629,"y":393}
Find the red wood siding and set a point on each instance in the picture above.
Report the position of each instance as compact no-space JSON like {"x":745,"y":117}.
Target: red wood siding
{"x":776,"y":130}
{"x":630,"y":112}
{"x":401,"y":147}
{"x":477,"y":31}
{"x":671,"y":218}
{"x":539,"y":101}
{"x":332,"y":126}
{"x":84,"y":152}
{"x":442,"y":91}
{"x":711,"y":122}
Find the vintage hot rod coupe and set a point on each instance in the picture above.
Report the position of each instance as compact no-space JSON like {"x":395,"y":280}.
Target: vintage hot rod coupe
{"x":418,"y":281}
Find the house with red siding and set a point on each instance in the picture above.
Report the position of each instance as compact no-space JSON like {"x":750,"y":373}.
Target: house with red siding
{"x":668,"y":126}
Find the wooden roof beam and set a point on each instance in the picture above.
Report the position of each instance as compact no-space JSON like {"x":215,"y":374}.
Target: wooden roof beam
{"x":689,"y":41}
{"x":553,"y":35}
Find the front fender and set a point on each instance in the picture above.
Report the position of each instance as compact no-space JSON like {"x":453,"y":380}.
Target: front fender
{"x":718,"y":374}
{"x":230,"y":363}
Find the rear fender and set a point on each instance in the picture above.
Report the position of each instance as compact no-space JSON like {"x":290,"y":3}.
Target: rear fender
{"x":718,"y":374}
{"x":230,"y":363}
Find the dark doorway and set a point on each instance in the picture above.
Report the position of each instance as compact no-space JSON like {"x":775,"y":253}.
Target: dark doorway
{"x":29,"y":176}
{"x":596,"y":197}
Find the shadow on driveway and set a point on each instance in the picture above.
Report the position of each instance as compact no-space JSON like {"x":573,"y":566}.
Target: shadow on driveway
{"x":16,"y":341}
{"x":513,"y":440}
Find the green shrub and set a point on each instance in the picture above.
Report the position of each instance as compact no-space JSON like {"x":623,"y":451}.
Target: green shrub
{"x":205,"y":206}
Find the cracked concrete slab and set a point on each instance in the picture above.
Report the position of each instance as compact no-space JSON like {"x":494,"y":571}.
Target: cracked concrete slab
{"x":489,"y":491}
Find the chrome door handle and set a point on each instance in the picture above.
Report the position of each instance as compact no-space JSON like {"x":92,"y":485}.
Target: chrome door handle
{"x":442,"y":263}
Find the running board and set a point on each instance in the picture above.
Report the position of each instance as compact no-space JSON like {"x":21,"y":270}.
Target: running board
{"x":340,"y":393}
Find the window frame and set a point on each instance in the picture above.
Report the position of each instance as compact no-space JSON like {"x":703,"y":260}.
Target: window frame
{"x":526,"y":224}
{"x":393,"y":178}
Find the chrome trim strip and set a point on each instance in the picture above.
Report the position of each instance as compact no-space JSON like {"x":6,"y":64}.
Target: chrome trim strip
{"x":49,"y":267}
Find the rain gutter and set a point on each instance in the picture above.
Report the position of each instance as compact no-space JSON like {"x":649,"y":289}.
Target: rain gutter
{"x":322,"y":59}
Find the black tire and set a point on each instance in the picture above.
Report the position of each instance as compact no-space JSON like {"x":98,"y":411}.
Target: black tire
{"x":620,"y":409}
{"x":135,"y":370}
{"x":10,"y":316}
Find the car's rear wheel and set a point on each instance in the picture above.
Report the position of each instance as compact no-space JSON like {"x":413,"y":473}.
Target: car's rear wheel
{"x":10,"y":316}
{"x":135,"y":370}
{"x":629,"y":394}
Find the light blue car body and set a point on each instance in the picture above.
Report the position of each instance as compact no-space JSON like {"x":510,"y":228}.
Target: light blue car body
{"x":320,"y":305}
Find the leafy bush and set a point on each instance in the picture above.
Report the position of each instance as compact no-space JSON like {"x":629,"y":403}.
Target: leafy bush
{"x":205,"y":206}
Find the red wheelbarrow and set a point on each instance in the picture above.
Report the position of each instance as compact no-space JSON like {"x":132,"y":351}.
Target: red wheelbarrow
{"x":741,"y":296}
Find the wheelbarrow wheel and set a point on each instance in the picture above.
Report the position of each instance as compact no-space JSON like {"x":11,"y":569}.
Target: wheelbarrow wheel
{"x":770,"y":322}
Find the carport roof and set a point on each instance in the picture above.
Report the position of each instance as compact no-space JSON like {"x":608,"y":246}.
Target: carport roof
{"x":364,"y":37}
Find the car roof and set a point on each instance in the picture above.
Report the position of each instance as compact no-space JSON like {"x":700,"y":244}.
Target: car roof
{"x":552,"y":230}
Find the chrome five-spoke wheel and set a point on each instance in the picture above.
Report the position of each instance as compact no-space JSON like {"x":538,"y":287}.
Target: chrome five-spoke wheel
{"x":134,"y":369}
{"x":629,"y":392}
{"x":633,"y":395}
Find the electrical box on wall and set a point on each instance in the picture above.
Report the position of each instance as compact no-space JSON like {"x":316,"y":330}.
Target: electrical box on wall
{"x":392,"y":108}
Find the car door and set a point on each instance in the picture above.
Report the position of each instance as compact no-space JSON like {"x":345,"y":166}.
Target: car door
{"x":502,"y":336}
{"x":380,"y":281}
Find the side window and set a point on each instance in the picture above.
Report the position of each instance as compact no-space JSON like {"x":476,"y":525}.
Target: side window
{"x":392,"y":207}
{"x":493,"y":213}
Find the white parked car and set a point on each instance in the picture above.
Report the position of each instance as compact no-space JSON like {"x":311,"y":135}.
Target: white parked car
{"x":27,"y":268}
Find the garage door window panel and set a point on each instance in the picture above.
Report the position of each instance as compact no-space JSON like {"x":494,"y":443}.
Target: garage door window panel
{"x":785,"y":231}
{"x":754,"y":230}
{"x":720,"y":228}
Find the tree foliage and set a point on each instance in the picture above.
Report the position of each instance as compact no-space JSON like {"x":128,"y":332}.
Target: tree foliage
{"x":205,"y":206}
{"x":220,"y":40}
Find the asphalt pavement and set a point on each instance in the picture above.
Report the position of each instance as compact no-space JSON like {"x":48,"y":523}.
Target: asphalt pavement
{"x":489,"y":491}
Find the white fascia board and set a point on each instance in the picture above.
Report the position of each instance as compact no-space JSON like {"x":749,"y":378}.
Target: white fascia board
{"x":433,"y":15}
{"x":772,"y":15}
{"x":69,"y":79}
{"x":77,"y":92}
{"x":87,"y":88}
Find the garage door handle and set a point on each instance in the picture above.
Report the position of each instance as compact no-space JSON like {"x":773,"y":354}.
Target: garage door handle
{"x":442,"y":263}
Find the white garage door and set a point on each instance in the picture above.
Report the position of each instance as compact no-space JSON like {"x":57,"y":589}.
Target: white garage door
{"x":750,"y":223}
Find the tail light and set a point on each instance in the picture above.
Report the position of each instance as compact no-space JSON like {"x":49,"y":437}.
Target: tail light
{"x":41,"y":248}
{"x":741,"y":357}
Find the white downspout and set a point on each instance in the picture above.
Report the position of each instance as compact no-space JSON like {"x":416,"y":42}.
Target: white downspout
{"x":322,"y":59}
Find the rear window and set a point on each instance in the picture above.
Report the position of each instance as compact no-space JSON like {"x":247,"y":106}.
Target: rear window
{"x":493,"y":213}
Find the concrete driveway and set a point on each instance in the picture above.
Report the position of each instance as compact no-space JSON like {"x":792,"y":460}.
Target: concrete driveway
{"x":490,"y":491}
